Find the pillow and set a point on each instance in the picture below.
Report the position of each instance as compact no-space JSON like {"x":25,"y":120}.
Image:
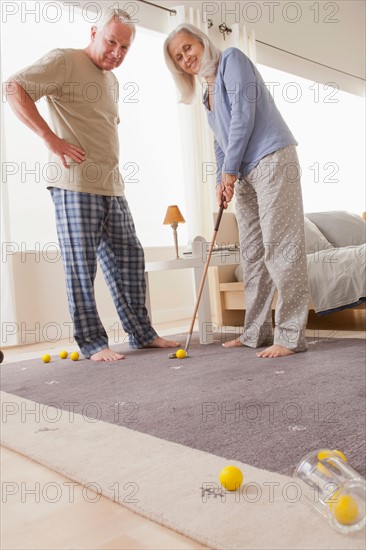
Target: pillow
{"x":340,"y":228}
{"x":314,"y":239}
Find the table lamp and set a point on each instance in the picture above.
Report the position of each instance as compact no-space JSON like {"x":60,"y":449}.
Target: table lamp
{"x":173,"y":216}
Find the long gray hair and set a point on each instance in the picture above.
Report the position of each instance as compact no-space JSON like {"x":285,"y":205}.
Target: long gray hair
{"x":186,"y":83}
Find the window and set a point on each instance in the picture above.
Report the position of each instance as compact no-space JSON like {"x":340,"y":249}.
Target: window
{"x":151,"y":158}
{"x":150,"y":153}
{"x":329,"y":127}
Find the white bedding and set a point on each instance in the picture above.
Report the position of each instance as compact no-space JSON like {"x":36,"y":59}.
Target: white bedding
{"x":337,"y":276}
{"x":336,"y":258}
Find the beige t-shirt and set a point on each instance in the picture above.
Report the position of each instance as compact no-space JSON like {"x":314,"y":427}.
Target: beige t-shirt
{"x":83,"y":106}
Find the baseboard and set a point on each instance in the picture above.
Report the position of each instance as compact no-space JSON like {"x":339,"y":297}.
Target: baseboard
{"x":114,"y":328}
{"x":171,"y":315}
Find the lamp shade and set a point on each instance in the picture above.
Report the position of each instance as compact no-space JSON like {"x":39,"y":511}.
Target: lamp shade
{"x":173,"y":215}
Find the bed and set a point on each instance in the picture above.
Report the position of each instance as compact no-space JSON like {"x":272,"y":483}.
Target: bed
{"x":336,"y":260}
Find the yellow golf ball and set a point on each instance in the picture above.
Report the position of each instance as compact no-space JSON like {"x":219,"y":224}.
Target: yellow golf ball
{"x":180,"y":354}
{"x":63,"y":354}
{"x":231,"y":478}
{"x":343,"y":457}
{"x":326,"y":454}
{"x":46,"y":358}
{"x":345,"y":510}
{"x":74,"y":356}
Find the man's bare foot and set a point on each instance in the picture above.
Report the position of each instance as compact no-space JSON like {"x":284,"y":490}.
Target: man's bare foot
{"x":275,"y":351}
{"x":233,"y":344}
{"x":106,"y":354}
{"x":162,"y":343}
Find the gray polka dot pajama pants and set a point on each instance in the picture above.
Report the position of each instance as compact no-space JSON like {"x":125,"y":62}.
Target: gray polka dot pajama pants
{"x":272,"y":241}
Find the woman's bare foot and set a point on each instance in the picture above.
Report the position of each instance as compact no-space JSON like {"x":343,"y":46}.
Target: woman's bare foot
{"x":275,"y":351}
{"x":106,"y":354}
{"x":162,"y":343}
{"x":233,"y":344}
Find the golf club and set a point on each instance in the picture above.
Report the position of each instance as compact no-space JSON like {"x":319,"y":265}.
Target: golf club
{"x":212,"y":244}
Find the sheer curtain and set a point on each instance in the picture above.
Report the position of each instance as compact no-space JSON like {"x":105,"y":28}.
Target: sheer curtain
{"x":242,"y":39}
{"x":197,"y":149}
{"x":199,"y":165}
{"x":9,"y":332}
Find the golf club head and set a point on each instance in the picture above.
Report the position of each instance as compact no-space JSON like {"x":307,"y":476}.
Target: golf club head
{"x":188,"y":341}
{"x":174,"y":356}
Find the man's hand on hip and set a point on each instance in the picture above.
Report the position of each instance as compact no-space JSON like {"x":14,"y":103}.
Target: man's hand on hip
{"x":63,"y":149}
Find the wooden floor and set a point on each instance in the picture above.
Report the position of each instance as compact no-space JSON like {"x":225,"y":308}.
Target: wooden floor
{"x":66,"y":524}
{"x":72,"y":521}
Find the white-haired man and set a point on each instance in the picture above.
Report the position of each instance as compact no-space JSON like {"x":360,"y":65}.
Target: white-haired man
{"x":92,"y":215}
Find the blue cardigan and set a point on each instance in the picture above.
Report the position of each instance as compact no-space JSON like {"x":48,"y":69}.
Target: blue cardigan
{"x":246,"y":123}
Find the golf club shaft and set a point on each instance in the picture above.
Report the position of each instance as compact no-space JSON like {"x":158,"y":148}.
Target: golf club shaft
{"x":212,"y":244}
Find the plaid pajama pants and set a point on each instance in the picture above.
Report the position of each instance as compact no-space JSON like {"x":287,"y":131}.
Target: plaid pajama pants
{"x":97,"y":227}
{"x":270,"y":219}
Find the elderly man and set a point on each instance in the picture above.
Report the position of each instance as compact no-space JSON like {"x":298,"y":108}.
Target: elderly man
{"x":92,"y":215}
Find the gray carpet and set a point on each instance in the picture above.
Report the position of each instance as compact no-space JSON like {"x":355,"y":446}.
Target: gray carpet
{"x":267,"y":413}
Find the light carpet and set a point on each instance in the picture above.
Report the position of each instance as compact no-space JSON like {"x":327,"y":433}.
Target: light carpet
{"x":170,"y":483}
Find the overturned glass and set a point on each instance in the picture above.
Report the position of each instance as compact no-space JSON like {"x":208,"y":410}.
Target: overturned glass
{"x":333,"y":488}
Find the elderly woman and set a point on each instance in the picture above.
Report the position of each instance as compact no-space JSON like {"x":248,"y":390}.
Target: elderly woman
{"x":257,"y":159}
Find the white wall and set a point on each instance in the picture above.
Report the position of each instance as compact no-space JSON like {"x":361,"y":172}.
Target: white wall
{"x":41,"y":303}
{"x":331,"y":33}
